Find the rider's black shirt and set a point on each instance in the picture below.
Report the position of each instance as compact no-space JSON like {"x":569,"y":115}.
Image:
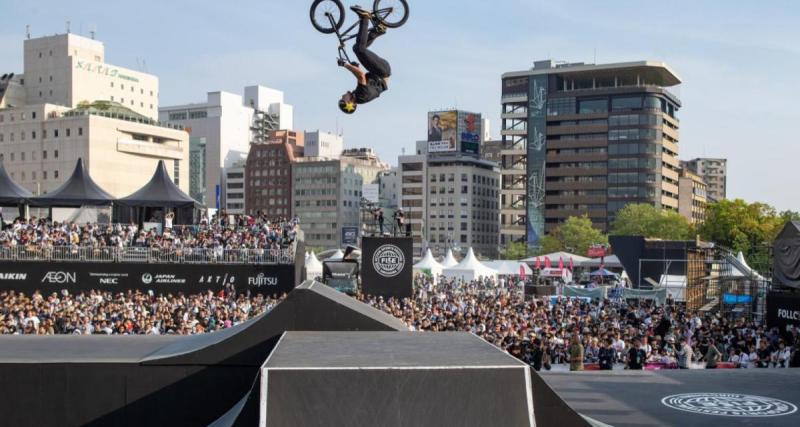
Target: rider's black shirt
{"x":373,"y":89}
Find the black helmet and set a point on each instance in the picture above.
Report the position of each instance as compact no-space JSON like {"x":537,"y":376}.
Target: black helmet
{"x":347,"y":107}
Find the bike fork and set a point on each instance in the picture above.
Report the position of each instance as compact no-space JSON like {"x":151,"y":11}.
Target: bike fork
{"x":342,"y":51}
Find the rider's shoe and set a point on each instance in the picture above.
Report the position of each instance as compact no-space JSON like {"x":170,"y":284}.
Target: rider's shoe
{"x":361,"y":12}
{"x":375,"y":32}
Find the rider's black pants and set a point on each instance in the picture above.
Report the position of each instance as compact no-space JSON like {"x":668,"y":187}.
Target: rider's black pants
{"x":372,"y":62}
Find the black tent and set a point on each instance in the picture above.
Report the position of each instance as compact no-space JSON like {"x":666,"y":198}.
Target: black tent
{"x":786,"y":253}
{"x":160,"y":194}
{"x":11,"y":193}
{"x":79,"y":190}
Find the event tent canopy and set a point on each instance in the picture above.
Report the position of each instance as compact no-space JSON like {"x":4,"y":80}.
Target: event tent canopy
{"x":313,"y":267}
{"x":449,"y":260}
{"x":610,"y":261}
{"x":337,"y":256}
{"x":11,"y":193}
{"x":159,"y":192}
{"x":79,"y":190}
{"x":603,"y":273}
{"x":470,"y":268}
{"x":429,"y":264}
{"x":509,"y":268}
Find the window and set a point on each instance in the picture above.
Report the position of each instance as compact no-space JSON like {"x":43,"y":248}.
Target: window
{"x":33,"y":115}
{"x":590,"y":106}
{"x":626,"y":103}
{"x":44,"y":174}
{"x":1,"y":137}
{"x":80,"y":131}
{"x":55,"y":156}
{"x":22,"y":156}
{"x":560,"y":106}
{"x":68,"y":132}
{"x":198,"y":115}
{"x":55,"y":174}
{"x":112,"y":84}
{"x":177,"y":116}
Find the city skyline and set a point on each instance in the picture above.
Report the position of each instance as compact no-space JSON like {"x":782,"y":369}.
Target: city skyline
{"x":730,"y":66}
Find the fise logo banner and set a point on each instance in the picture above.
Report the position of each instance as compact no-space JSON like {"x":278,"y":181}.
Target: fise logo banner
{"x":388,"y":260}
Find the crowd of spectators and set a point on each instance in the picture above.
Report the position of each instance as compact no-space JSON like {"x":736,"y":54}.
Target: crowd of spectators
{"x":604,"y":333}
{"x":127,"y":313}
{"x":218,"y":233}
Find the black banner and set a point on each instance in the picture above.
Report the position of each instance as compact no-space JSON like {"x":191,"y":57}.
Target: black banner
{"x":386,"y":267}
{"x":783,"y":309}
{"x":47,"y":277}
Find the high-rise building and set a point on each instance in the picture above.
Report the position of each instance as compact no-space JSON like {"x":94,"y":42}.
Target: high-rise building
{"x":692,"y":198}
{"x":327,"y":193}
{"x":269,"y":173}
{"x":229,"y":123}
{"x":491,"y":150}
{"x":585,"y":139}
{"x":70,"y":104}
{"x":323,"y":144}
{"x":714,"y":172}
{"x":390,"y":188}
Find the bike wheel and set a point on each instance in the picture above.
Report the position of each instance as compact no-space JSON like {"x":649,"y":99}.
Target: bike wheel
{"x":327,"y":16}
{"x":391,"y":13}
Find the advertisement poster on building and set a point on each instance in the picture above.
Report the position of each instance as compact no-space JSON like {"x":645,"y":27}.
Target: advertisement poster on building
{"x":349,"y":236}
{"x":469,"y":127}
{"x":442,"y":131}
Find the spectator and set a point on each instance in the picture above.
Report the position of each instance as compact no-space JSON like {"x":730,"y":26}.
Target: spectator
{"x":576,"y":353}
{"x":636,"y":356}
{"x":712,"y":355}
{"x":607,"y":355}
{"x":684,"y":354}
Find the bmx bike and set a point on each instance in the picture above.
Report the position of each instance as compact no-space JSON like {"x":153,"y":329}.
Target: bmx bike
{"x":327,"y":16}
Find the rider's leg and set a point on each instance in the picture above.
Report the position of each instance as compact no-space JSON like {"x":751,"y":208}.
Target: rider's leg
{"x":372,"y":62}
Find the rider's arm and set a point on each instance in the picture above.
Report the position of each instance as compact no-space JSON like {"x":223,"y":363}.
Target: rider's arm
{"x":361,"y":76}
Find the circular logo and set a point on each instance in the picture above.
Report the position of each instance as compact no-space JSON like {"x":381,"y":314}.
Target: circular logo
{"x":729,"y":404}
{"x":388,"y":260}
{"x":147,"y":278}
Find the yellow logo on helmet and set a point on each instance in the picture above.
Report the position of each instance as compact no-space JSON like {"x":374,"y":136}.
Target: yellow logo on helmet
{"x":349,"y":107}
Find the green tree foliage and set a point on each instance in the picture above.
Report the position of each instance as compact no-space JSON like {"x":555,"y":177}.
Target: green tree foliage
{"x":746,"y":227}
{"x":575,"y":235}
{"x":515,"y":250}
{"x":645,"y":220}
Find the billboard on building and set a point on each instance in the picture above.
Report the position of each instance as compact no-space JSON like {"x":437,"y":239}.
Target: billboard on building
{"x":469,"y":130}
{"x":442,"y":132}
{"x":371,"y":193}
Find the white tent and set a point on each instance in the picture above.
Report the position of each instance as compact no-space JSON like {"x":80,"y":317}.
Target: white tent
{"x":509,"y":268}
{"x":555,"y":256}
{"x":470,"y":268}
{"x":676,"y":286}
{"x":306,"y":258}
{"x":313,"y":267}
{"x":741,"y":269}
{"x":429,"y":266}
{"x":449,"y":260}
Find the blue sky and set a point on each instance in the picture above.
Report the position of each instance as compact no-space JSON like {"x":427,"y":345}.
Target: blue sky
{"x":738,"y":61}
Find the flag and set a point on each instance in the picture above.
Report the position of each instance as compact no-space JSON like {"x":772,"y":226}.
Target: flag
{"x":547,"y":262}
{"x":522,"y":271}
{"x":571,"y":264}
{"x":538,"y":264}
{"x":560,"y":263}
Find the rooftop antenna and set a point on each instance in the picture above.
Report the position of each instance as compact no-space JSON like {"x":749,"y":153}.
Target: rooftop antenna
{"x":28,"y":31}
{"x":144,"y":65}
{"x":595,"y":54}
{"x":92,"y":31}
{"x":68,"y":27}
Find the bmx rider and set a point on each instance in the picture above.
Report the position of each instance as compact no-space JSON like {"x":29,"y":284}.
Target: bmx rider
{"x":375,"y":80}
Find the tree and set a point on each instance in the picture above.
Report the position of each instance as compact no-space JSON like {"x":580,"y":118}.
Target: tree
{"x":515,"y":250}
{"x":575,"y":235}
{"x":747,"y":227}
{"x":647,"y":221}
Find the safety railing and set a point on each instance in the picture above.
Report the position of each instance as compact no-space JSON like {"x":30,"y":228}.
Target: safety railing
{"x":147,"y":255}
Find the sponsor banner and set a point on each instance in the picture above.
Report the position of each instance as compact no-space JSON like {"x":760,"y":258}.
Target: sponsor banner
{"x":349,"y":236}
{"x":783,"y":310}
{"x":386,"y":267}
{"x":160,"y":278}
{"x":442,"y":131}
{"x":470,"y":129}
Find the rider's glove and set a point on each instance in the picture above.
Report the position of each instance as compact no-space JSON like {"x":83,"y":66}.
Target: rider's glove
{"x":340,"y":61}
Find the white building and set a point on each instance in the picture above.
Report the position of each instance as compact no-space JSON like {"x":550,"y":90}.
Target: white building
{"x":323,"y":144}
{"x":70,"y":104}
{"x":229,"y":123}
{"x":390,"y":182}
{"x":235,"y":187}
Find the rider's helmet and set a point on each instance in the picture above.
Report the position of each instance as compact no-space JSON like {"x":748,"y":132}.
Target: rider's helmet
{"x":347,"y":107}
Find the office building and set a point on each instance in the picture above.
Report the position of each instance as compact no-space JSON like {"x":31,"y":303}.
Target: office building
{"x":327,"y":194}
{"x":235,"y":187}
{"x":714,"y":172}
{"x":197,"y":170}
{"x":323,"y":144}
{"x":585,"y":139}
{"x":70,"y":104}
{"x":229,"y":123}
{"x":269,"y":173}
{"x":390,"y":188}
{"x":491,"y":150}
{"x":692,"y":196}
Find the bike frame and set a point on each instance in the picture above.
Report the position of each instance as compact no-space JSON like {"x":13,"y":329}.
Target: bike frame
{"x":346,"y":35}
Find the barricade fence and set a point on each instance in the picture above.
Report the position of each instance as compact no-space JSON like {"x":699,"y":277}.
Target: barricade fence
{"x":147,"y":255}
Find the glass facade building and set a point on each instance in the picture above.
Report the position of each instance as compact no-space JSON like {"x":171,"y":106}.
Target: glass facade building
{"x":586,"y":140}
